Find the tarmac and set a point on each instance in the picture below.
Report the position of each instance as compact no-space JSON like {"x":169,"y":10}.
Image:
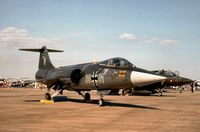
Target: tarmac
{"x":22,"y":111}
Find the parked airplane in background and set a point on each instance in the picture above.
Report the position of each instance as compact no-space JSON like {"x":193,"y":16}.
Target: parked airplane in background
{"x":196,"y":85}
{"x":21,"y":82}
{"x":114,"y":73}
{"x":172,"y":79}
{"x":15,"y":82}
{"x":3,"y":82}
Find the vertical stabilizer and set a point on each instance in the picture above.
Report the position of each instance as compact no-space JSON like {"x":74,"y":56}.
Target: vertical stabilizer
{"x":44,"y":60}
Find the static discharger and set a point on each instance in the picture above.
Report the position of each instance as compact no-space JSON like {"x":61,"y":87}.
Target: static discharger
{"x":44,"y":101}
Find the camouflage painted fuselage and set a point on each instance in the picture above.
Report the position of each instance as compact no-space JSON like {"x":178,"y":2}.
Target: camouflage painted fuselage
{"x":114,"y":73}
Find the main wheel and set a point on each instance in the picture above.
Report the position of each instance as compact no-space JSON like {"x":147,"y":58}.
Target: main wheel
{"x":48,"y":96}
{"x":87,"y":97}
{"x":101,"y":102}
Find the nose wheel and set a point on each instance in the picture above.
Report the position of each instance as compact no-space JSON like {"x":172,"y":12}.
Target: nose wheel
{"x":101,"y":101}
{"x":160,"y":91}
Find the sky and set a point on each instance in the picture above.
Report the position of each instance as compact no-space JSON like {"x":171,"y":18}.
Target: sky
{"x":152,"y":34}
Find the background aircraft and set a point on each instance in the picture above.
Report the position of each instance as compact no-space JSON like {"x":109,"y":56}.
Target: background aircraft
{"x":3,"y":82}
{"x":21,"y":82}
{"x":172,"y":79}
{"x":114,"y":73}
{"x":196,"y":85}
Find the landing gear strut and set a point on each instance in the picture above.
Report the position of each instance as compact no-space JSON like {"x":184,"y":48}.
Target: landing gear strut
{"x":101,"y":101}
{"x":48,"y":96}
{"x":86,"y":96}
{"x":160,"y":91}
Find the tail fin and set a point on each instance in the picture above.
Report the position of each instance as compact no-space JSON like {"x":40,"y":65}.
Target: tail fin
{"x":44,"y":60}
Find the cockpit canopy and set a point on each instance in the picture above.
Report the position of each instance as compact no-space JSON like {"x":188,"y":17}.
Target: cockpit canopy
{"x":118,"y":62}
{"x":167,"y":73}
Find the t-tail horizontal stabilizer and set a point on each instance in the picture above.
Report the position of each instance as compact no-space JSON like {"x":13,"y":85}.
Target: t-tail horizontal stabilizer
{"x":41,"y":50}
{"x":44,"y":60}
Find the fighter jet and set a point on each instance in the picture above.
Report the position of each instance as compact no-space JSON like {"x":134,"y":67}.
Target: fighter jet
{"x":114,"y":73}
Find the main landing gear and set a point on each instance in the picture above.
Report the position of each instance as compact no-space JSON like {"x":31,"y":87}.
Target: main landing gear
{"x":48,"y":96}
{"x":87,"y":97}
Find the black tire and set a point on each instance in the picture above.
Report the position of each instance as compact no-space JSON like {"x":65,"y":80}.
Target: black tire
{"x":48,"y":96}
{"x":87,"y":97}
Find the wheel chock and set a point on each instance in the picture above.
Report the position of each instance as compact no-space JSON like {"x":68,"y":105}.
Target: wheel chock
{"x":46,"y":101}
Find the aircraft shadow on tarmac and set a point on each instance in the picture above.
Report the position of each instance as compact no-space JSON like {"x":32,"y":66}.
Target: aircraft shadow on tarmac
{"x":154,"y":95}
{"x":107,"y":103}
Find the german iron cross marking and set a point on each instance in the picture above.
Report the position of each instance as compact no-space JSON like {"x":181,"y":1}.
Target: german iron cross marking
{"x":94,"y":79}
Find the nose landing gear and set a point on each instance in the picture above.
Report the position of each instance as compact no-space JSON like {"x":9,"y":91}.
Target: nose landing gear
{"x":101,"y":101}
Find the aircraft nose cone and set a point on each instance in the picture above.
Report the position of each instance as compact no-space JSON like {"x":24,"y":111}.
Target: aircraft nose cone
{"x":142,"y":78}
